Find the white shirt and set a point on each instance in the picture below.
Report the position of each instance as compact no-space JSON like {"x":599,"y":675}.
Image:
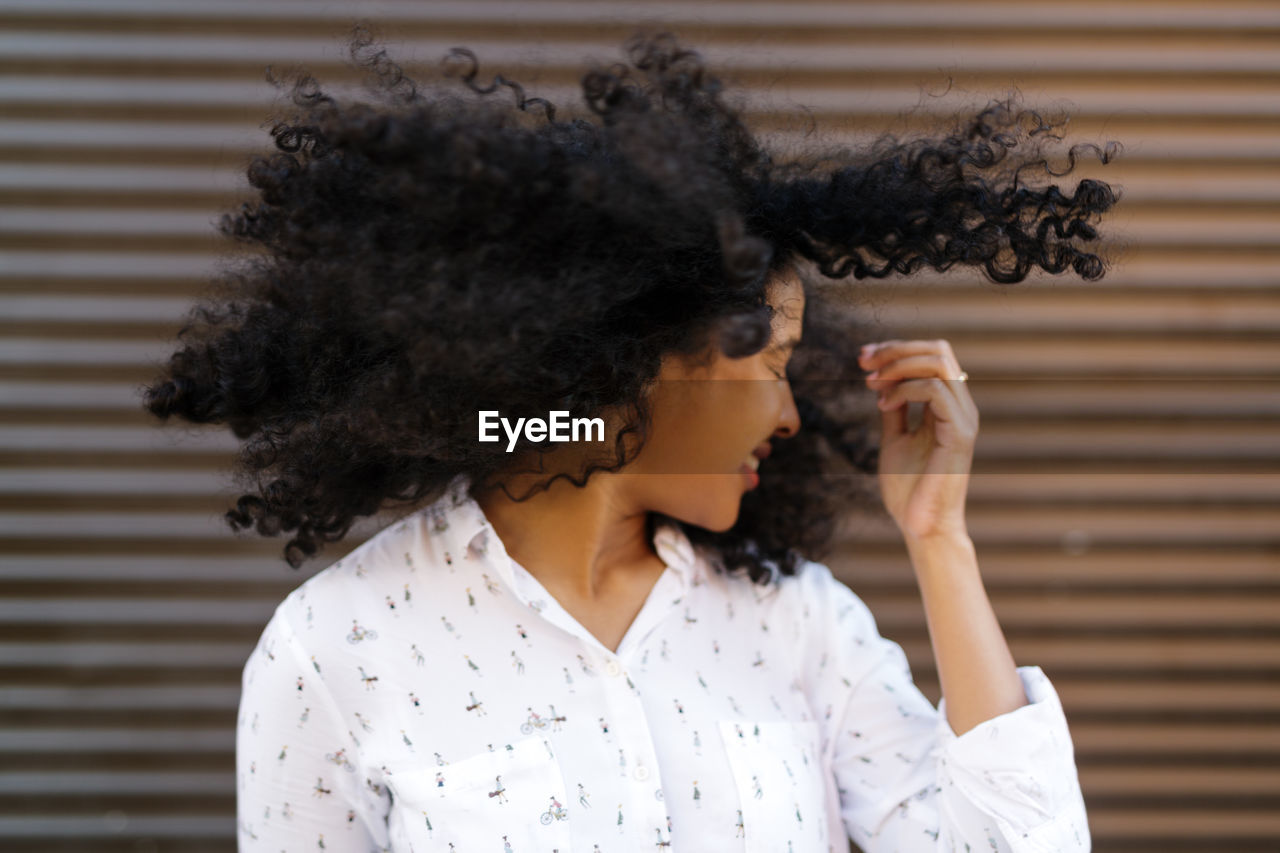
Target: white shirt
{"x":427,"y":693}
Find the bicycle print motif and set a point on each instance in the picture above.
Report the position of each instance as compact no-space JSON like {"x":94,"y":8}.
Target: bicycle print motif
{"x":358,"y":634}
{"x":554,"y":812}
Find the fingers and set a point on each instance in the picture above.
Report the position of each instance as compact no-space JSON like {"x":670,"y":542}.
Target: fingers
{"x":945,"y":408}
{"x":875,"y":356}
{"x":934,"y":391}
{"x":919,"y":371}
{"x":911,"y":366}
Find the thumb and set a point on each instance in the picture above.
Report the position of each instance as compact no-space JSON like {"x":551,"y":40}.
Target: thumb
{"x":893,"y":422}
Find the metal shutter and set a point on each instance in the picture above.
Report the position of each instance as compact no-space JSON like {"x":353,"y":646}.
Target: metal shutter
{"x":1124,"y":500}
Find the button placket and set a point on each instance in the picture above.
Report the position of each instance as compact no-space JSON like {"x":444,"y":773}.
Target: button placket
{"x":636,"y":742}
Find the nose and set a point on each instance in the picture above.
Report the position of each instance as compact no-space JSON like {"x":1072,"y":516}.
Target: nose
{"x":789,"y":417}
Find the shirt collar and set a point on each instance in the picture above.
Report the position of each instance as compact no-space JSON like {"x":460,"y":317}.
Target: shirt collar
{"x":458,"y":517}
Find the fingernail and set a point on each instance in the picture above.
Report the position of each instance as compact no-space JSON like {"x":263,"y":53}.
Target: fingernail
{"x":875,"y":374}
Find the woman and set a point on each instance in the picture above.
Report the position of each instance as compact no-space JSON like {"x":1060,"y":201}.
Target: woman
{"x":620,"y":640}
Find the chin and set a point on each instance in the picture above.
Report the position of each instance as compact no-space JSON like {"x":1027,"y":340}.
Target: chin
{"x":725,"y":514}
{"x":719,"y":509}
{"x":721,"y":528}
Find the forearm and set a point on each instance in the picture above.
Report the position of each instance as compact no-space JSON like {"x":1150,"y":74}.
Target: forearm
{"x":975,"y":667}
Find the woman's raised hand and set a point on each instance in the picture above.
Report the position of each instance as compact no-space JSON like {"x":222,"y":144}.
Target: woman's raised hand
{"x":924,"y":475}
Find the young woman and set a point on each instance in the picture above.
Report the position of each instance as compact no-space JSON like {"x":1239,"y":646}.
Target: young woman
{"x":618,"y":638}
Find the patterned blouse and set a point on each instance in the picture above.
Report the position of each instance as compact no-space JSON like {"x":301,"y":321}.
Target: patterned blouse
{"x":426,"y":692}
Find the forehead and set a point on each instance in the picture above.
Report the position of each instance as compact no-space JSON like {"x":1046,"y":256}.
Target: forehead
{"x":786,"y":294}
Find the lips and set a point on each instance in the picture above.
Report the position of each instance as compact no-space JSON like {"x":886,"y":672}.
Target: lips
{"x":760,"y":453}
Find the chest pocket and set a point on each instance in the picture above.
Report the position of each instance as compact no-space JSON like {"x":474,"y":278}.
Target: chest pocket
{"x":777,"y":769}
{"x":510,"y":797}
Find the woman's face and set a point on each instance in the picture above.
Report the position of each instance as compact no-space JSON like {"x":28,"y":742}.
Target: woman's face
{"x":709,"y":421}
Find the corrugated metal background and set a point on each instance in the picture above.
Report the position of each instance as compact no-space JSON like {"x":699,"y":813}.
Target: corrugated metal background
{"x":1125,"y":495}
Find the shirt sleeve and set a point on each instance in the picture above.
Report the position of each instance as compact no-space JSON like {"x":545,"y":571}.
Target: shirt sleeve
{"x":297,"y":783}
{"x":906,"y":781}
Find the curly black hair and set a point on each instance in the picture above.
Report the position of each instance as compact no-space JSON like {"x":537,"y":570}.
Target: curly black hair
{"x":444,"y":252}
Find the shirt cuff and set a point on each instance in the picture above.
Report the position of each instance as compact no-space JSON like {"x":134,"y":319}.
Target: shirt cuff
{"x":1019,"y":767}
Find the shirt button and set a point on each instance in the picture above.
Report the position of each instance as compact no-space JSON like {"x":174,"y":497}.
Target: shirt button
{"x":612,"y":668}
{"x":642,"y":773}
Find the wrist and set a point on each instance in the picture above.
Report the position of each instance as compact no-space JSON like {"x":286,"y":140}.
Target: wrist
{"x":939,"y":543}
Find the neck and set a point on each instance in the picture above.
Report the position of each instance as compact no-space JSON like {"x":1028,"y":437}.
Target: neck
{"x":580,"y":541}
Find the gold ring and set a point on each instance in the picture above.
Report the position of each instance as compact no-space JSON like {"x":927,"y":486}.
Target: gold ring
{"x":963,"y":377}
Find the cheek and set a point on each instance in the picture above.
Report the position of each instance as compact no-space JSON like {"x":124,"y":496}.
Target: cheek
{"x":730,"y":431}
{"x":694,"y":426}
{"x":709,"y":427}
